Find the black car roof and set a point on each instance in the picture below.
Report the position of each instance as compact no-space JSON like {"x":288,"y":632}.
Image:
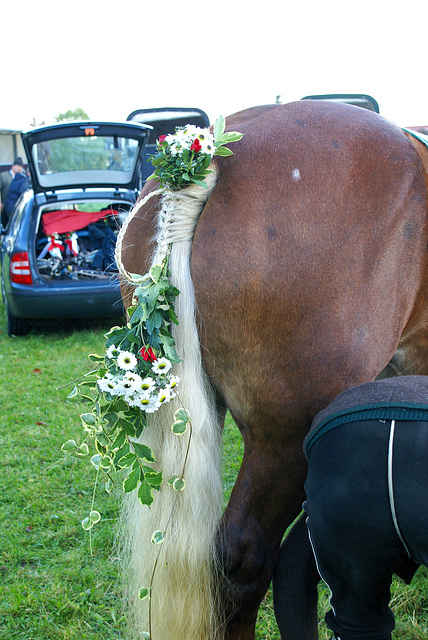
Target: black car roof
{"x":164,"y":120}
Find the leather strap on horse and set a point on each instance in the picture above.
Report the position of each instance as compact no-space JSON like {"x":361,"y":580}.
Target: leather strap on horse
{"x":418,"y":136}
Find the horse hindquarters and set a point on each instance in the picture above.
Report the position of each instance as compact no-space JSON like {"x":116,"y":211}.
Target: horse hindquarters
{"x":306,"y":264}
{"x":306,"y":270}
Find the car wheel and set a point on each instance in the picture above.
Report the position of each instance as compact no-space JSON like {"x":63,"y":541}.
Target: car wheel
{"x":16,"y":326}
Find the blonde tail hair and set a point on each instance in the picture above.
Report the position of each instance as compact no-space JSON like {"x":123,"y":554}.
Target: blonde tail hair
{"x":184,"y":603}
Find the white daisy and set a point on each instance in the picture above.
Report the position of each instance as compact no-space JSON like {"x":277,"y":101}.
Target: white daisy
{"x":175,"y":143}
{"x":148,"y":384}
{"x":208,"y":148}
{"x":148,"y":404}
{"x":161,"y":365}
{"x":170,"y":139}
{"x":132,"y":400}
{"x":126,"y":360}
{"x":110,"y":385}
{"x":133,"y":378}
{"x":173,"y":381}
{"x":106,"y":384}
{"x":164,"y":396}
{"x":190,"y":131}
{"x":127,"y":387}
{"x":118,"y":390}
{"x":112,"y":351}
{"x":207,"y":141}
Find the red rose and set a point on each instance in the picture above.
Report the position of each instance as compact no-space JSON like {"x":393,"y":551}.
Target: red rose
{"x":161,"y":139}
{"x":147,"y":354}
{"x":196,"y":146}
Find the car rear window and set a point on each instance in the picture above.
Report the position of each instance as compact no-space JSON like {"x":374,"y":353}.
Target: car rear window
{"x":85,"y":159}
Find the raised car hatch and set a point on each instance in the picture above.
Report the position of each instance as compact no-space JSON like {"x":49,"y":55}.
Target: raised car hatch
{"x":85,"y":154}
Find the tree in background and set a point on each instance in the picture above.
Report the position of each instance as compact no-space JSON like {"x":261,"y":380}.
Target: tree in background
{"x":77,"y":153}
{"x":76,"y":114}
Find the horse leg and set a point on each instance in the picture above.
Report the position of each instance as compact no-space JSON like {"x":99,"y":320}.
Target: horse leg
{"x":411,"y":357}
{"x":252,"y":527}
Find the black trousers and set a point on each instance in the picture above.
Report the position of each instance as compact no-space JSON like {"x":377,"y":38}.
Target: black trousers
{"x":367,"y":508}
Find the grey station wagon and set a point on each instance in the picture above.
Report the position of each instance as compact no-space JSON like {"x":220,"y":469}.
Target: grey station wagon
{"x":57,"y":252}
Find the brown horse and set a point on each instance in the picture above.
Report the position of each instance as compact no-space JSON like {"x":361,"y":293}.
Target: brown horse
{"x":309,"y":268}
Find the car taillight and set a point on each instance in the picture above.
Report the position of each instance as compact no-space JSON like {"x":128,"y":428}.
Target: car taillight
{"x":20,"y":271}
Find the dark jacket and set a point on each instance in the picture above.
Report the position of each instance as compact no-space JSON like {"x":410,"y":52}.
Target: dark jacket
{"x":403,"y":397}
{"x":19,"y":184}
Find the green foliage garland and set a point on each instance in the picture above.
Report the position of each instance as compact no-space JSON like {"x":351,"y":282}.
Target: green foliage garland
{"x":134,"y":377}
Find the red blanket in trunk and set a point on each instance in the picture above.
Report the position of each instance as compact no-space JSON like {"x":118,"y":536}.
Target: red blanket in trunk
{"x":68,"y":220}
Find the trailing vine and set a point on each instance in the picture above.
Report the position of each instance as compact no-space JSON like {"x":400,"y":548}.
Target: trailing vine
{"x":135,"y":377}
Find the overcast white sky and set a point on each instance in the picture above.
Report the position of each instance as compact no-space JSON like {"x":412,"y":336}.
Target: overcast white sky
{"x":223,"y":56}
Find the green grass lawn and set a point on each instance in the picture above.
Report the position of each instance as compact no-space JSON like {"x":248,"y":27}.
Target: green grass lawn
{"x":54,"y":584}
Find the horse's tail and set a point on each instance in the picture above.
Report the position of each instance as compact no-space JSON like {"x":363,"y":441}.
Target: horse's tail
{"x":183,"y":599}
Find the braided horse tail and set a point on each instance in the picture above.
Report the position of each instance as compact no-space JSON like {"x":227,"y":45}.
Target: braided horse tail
{"x":183,"y":600}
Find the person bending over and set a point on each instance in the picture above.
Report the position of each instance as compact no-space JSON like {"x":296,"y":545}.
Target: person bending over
{"x":367,"y":500}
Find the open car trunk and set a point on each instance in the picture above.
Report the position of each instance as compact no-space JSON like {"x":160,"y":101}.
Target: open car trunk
{"x":76,"y":240}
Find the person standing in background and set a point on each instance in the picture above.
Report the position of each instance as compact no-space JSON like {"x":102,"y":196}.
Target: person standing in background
{"x":6,"y":178}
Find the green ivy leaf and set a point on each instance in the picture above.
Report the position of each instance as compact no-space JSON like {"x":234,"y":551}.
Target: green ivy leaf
{"x":94,"y":357}
{"x":86,"y":524}
{"x":223,"y":151}
{"x":106,"y":463}
{"x":102,"y":439}
{"x":96,"y":460}
{"x":101,"y":450}
{"x":179,"y":484}
{"x":88,"y":419}
{"x":173,"y":317}
{"x":136,"y":314}
{"x":111,"y":419}
{"x":143,"y":594}
{"x":83,"y":450}
{"x":93,"y":518}
{"x":143,"y":451}
{"x":154,"y":321}
{"x":119,"y":441}
{"x":154,"y":479}
{"x":230,"y":136}
{"x":131,"y":481}
{"x":181,"y":414}
{"x":219,"y":127}
{"x":179,"y":427}
{"x":157,"y":537}
{"x":120,"y":405}
{"x":169,"y":350}
{"x":87,"y":383}
{"x":145,"y":493}
{"x":69,"y":446}
{"x":150,"y":293}
{"x":126,"y":461}
{"x":156,"y":272}
{"x":200,"y":183}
